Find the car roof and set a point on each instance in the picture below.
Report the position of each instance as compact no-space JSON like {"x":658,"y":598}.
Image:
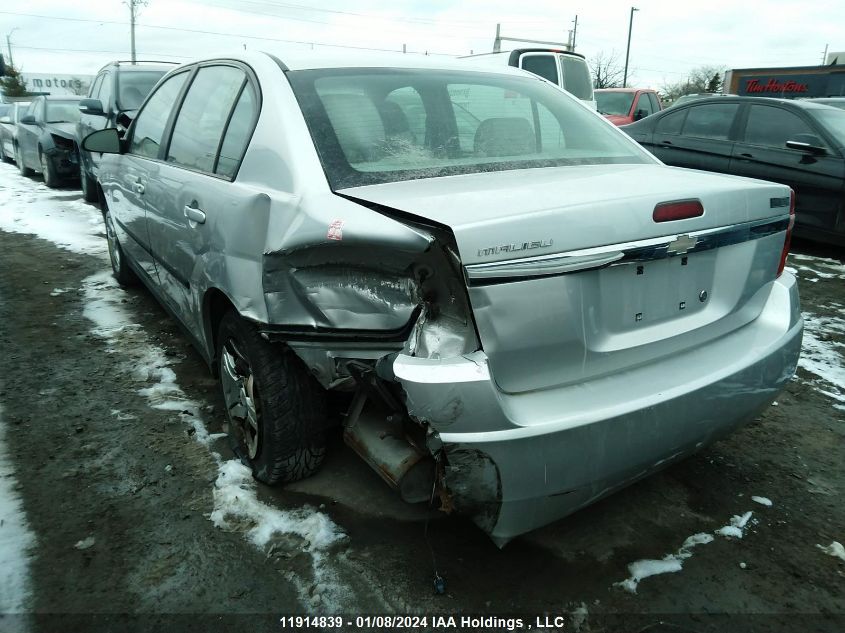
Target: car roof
{"x":799,"y":103}
{"x":625,"y":90}
{"x":316,"y":60}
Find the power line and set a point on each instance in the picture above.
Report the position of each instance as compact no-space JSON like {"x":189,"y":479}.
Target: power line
{"x":90,"y":50}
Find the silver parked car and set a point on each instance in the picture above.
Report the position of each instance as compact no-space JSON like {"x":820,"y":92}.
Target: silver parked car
{"x":527,"y":310}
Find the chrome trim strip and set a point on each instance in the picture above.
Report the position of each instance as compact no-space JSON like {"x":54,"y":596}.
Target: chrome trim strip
{"x":619,"y":254}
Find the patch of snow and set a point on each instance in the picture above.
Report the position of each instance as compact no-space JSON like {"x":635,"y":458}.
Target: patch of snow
{"x":834,"y":549}
{"x":16,"y":539}
{"x":742,"y":565}
{"x":578,"y":617}
{"x":30,"y":207}
{"x":824,"y":262}
{"x":85,"y":543}
{"x":671,"y":563}
{"x":762,"y":501}
{"x":236,"y":504}
{"x":736,"y":526}
{"x":822,"y":351}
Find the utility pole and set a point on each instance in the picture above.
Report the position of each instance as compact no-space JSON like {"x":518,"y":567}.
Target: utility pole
{"x":824,"y":55}
{"x":9,"y":46}
{"x":133,"y":6}
{"x":574,"y":33}
{"x":628,"y":50}
{"x":497,"y":43}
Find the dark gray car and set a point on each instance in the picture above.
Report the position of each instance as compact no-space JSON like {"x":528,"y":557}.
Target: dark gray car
{"x":46,"y":140}
{"x":115,"y":95}
{"x":796,"y":143}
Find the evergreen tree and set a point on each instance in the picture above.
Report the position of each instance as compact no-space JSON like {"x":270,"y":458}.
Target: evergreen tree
{"x":13,"y":85}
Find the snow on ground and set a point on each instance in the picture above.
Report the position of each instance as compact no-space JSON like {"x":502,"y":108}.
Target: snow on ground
{"x":834,"y":549}
{"x":823,"y":353}
{"x":28,"y":206}
{"x":236,"y":503}
{"x":762,"y":501}
{"x":672,"y":563}
{"x":16,"y":539}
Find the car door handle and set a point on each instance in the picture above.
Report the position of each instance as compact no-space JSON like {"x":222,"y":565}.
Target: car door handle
{"x":745,"y":156}
{"x":194,"y":214}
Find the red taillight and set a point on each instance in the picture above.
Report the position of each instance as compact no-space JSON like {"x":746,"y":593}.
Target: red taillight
{"x":677,"y":210}
{"x":788,"y":239}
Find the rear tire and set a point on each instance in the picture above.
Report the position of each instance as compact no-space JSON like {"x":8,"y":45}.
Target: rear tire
{"x":48,"y":171}
{"x":124,"y":275}
{"x":275,"y":409}
{"x":6,"y":159}
{"x":25,"y":171}
{"x":88,"y":185}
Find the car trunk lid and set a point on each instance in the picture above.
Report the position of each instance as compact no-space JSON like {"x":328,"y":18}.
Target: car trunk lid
{"x":570,"y":278}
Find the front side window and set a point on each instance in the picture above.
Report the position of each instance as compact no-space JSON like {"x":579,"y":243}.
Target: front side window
{"x":710,"y":120}
{"x":773,"y":127}
{"x":671,"y":123}
{"x":106,"y":92}
{"x":543,"y":65}
{"x":645,"y":105}
{"x":63,"y":111}
{"x":94,"y":92}
{"x":473,"y":122}
{"x":203,"y":116}
{"x":152,"y":120}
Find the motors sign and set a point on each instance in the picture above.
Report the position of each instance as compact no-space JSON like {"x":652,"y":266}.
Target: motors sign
{"x":805,"y":85}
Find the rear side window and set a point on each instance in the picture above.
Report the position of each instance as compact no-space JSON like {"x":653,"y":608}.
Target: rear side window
{"x":671,"y":123}
{"x":773,"y":127}
{"x":543,"y":65}
{"x":711,"y":120}
{"x":576,"y":77}
{"x":237,"y":133}
{"x":149,"y":126}
{"x":202,"y":119}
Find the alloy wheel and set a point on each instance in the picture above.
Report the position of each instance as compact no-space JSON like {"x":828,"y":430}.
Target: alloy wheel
{"x":240,"y":394}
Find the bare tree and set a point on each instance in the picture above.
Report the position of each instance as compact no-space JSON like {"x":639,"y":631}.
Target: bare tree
{"x":701,"y":79}
{"x":607,"y":72}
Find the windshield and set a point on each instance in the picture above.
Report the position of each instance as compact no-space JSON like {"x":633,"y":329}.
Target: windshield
{"x":5,"y":110}
{"x":833,"y":120}
{"x":383,"y":125}
{"x":618,"y":103}
{"x":134,"y":86}
{"x":62,"y":111}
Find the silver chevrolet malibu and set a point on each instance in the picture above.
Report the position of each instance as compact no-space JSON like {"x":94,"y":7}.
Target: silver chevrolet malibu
{"x":526,"y":310}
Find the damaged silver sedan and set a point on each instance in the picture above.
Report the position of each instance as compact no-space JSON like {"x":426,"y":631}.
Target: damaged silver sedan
{"x":526,"y":310}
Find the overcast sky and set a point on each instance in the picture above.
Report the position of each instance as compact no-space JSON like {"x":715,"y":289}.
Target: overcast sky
{"x":669,"y":38}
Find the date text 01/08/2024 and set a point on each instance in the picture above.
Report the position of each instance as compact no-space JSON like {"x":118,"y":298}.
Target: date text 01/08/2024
{"x":370,"y":622}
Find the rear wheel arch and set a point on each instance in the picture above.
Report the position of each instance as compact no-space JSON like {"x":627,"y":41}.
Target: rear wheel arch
{"x":215,"y":306}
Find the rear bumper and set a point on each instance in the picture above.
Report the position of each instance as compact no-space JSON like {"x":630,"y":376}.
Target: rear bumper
{"x":517,"y":462}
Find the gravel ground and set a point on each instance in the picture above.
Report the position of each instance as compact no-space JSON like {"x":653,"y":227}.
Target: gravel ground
{"x":140,"y":518}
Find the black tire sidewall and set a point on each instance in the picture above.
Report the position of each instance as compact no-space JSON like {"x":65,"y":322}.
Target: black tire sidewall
{"x":124,"y":275}
{"x":47,"y":171}
{"x":291,"y":407}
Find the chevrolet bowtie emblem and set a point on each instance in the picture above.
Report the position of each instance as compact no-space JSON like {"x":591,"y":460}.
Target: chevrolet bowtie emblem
{"x":681,"y":244}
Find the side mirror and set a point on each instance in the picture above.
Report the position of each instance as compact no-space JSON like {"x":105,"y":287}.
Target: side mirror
{"x":91,"y":106}
{"x":809,"y":143}
{"x":5,"y":119}
{"x":28,"y":119}
{"x":103,"y":141}
{"x":640,"y":114}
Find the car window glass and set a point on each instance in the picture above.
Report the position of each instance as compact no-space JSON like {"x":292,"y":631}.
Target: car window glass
{"x":149,"y":126}
{"x":200,"y":122}
{"x":710,"y":120}
{"x":773,"y":127}
{"x":671,"y":123}
{"x":645,"y":105}
{"x":63,"y":111}
{"x":237,"y":133}
{"x":543,"y":65}
{"x":487,"y":108}
{"x":106,"y":92}
{"x":94,"y":92}
{"x":134,"y":86}
{"x":616,"y":103}
{"x":655,"y":106}
{"x":576,"y":77}
{"x":404,"y":116}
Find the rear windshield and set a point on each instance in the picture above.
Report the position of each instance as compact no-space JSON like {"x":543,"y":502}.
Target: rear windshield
{"x":384,"y":125}
{"x":618,"y":103}
{"x":62,"y":111}
{"x":133,"y":87}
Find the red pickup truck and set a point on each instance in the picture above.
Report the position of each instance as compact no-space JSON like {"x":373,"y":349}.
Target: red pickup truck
{"x":622,"y":106}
